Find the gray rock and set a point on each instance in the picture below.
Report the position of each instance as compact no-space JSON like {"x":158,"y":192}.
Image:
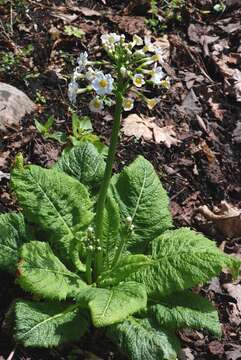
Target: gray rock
{"x":14,"y":104}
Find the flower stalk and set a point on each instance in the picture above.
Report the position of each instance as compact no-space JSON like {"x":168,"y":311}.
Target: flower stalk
{"x":107,"y":176}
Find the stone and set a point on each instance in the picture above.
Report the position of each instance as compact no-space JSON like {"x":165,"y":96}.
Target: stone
{"x":14,"y":105}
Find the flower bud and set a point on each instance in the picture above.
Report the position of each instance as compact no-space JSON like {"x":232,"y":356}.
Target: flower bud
{"x":129,"y":220}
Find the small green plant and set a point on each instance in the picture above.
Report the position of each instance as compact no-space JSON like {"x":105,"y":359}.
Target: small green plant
{"x":100,"y":250}
{"x":82,"y":131}
{"x":220,"y":7}
{"x":73,"y":31}
{"x":169,"y":10}
{"x":40,"y":98}
{"x":45,"y":130}
{"x":10,"y":61}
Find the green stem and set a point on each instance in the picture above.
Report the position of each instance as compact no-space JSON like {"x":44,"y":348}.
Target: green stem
{"x":107,"y":177}
{"x":119,"y":251}
{"x":88,"y":273}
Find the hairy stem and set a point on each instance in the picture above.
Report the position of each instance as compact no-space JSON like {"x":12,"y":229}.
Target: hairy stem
{"x":106,"y":180}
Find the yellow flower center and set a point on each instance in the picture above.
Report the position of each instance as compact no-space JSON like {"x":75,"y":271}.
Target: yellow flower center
{"x":151,"y":103}
{"x":138,"y":81}
{"x":156,"y":57}
{"x":128,"y":104}
{"x":97,"y":104}
{"x":103,"y":83}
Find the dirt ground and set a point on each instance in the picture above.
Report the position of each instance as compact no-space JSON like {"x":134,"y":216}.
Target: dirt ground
{"x":201,"y":163}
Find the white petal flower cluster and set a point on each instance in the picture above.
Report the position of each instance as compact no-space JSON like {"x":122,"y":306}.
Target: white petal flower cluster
{"x":72,"y":91}
{"x":103,"y":84}
{"x":138,"y":63}
{"x":82,"y":60}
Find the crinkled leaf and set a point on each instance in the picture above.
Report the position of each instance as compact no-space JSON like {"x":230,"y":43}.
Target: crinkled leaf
{"x":187,"y":309}
{"x":109,"y":306}
{"x":127,"y":266}
{"x":140,"y":339}
{"x":48,"y":324}
{"x":43,"y":274}
{"x":140,"y":195}
{"x":13,"y":234}
{"x":83,"y":162}
{"x":54,"y":201}
{"x":182,"y":259}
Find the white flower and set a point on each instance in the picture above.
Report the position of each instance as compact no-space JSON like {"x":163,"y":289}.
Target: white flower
{"x":151,"y":103}
{"x":149,"y":46}
{"x":82,"y":61}
{"x":158,"y":56}
{"x":109,"y":40}
{"x":128,"y":104}
{"x":72,"y":91}
{"x":138,"y":80}
{"x":103,"y":84}
{"x":90,"y":74}
{"x":157,"y":74}
{"x":96,"y":105}
{"x":137,"y":40}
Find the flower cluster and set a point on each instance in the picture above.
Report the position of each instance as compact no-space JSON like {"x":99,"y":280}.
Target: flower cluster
{"x":137,"y":63}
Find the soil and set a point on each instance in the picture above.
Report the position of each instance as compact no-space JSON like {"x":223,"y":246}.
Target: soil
{"x":203,"y":105}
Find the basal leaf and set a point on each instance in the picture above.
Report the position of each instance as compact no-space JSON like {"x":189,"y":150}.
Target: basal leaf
{"x":12,"y":235}
{"x":140,"y":339}
{"x":127,"y":266}
{"x":182,"y":259}
{"x":84,"y":163}
{"x":48,"y":324}
{"x":54,"y":201}
{"x":43,"y":274}
{"x":109,"y":306}
{"x":187,"y":309}
{"x":140,"y":195}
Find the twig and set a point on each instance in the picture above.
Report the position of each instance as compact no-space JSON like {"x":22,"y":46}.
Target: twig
{"x":11,"y":355}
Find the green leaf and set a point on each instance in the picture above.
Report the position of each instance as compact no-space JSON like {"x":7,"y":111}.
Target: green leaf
{"x":140,"y":339}
{"x":74,"y":31}
{"x":44,"y":128}
{"x":12,"y":235}
{"x":187,"y":309}
{"x":109,"y":306}
{"x":128,"y":265}
{"x":140,"y":195}
{"x":59,"y":136}
{"x":80,"y":125}
{"x":48,"y":324}
{"x":43,"y":274}
{"x":182,"y":259}
{"x":54,"y":201}
{"x":84,"y":163}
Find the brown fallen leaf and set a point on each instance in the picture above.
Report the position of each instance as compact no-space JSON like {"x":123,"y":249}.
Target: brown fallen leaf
{"x":165,"y":135}
{"x":129,"y":24}
{"x":235,"y":292}
{"x":237,"y":84}
{"x":145,"y":127}
{"x":88,"y":12}
{"x":237,"y":133}
{"x":136,"y":5}
{"x":186,"y":354}
{"x":136,"y":126}
{"x":226,"y":219}
{"x":235,"y":353}
{"x":216,"y":348}
{"x":216,"y":109}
